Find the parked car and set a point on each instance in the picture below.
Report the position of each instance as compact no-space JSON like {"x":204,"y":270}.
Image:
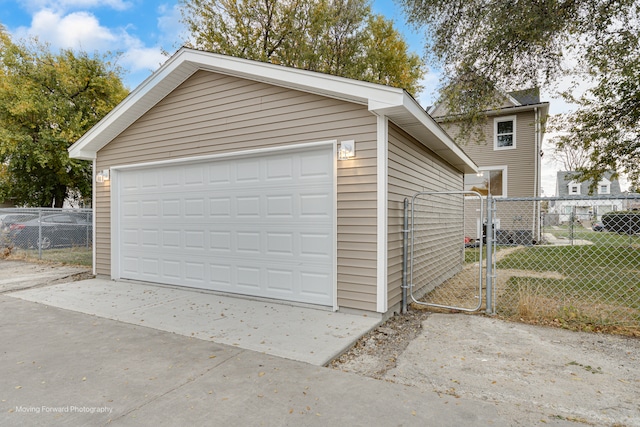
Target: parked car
{"x":60,"y":229}
{"x":598,"y":226}
{"x":6,"y":220}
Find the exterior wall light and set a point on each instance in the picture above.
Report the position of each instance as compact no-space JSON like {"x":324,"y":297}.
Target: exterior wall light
{"x":347,"y":150}
{"x":103,"y":176}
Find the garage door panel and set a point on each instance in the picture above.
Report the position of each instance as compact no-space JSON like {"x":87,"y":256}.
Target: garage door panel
{"x":316,"y":245}
{"x":171,"y":269}
{"x":279,"y":169}
{"x":220,"y":207}
{"x":315,"y":165}
{"x":281,"y":281}
{"x":247,"y":171}
{"x":260,"y":226}
{"x":280,"y":243}
{"x":312,"y":284}
{"x":279,"y":206}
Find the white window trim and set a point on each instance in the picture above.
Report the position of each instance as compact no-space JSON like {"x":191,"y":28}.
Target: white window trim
{"x":495,"y":132}
{"x":571,"y":186}
{"x":505,"y":179}
{"x":604,"y":183}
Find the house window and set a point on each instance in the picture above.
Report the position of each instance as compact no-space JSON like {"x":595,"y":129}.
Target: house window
{"x":504,"y":129}
{"x":490,"y":180}
{"x":568,"y":210}
{"x":604,"y":186}
{"x":574,"y":188}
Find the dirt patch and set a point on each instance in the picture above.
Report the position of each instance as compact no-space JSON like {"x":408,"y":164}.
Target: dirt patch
{"x":17,"y":275}
{"x":377,"y":352}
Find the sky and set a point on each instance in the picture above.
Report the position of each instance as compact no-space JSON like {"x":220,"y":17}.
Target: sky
{"x":141,"y":30}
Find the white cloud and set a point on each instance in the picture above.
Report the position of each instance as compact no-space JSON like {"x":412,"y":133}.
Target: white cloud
{"x":67,"y":5}
{"x":138,"y":59}
{"x":173,"y":33}
{"x":82,"y":31}
{"x":78,"y":30}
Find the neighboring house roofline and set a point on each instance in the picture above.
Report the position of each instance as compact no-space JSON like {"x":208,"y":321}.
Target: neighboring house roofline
{"x":396,"y":104}
{"x":564,"y":178}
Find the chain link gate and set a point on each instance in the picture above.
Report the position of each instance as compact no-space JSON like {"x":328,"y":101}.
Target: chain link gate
{"x":445,"y":249}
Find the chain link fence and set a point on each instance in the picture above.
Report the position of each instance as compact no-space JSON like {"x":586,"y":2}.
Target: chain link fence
{"x":572,"y":262}
{"x":58,"y":235}
{"x":446,"y":250}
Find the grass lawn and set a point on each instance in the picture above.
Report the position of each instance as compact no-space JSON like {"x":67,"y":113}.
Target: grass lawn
{"x":590,"y":287}
{"x":71,"y":256}
{"x":597,"y":237}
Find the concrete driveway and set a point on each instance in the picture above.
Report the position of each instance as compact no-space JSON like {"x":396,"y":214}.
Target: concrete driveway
{"x":305,"y":334}
{"x":64,"y":367}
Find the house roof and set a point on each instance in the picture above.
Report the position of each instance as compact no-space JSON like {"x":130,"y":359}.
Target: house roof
{"x":513,"y":102}
{"x":526,"y":96}
{"x":400,"y":107}
{"x":564,"y":178}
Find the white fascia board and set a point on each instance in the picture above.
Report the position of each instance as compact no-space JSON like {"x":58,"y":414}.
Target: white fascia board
{"x":186,"y":62}
{"x":153,"y":89}
{"x":351,"y":90}
{"x":444,"y":146}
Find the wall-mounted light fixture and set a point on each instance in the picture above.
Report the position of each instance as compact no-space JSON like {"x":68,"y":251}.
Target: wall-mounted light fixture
{"x":347,"y":150}
{"x":103,"y":176}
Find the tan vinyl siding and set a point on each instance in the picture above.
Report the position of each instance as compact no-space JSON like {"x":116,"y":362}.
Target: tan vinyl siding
{"x":521,"y":169}
{"x":414,"y":168}
{"x":520,"y":161}
{"x":212,"y":113}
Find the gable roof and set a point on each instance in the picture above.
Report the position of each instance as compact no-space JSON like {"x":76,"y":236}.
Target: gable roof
{"x":400,"y":107}
{"x":564,"y":178}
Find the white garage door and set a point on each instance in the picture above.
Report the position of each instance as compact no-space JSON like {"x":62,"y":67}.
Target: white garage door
{"x":260,"y":225}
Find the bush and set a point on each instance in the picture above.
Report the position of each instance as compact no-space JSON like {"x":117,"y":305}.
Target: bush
{"x":627,"y":222}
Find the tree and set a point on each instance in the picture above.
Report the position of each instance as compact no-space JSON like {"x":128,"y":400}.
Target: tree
{"x":339,"y":37}
{"x":523,"y":43}
{"x":569,"y":156}
{"x":47,"y":101}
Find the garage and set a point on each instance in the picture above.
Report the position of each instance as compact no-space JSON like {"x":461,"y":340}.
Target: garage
{"x":259,"y":224}
{"x":249,"y":178}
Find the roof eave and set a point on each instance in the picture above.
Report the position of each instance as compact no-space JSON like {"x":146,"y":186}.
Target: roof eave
{"x":414,"y":120}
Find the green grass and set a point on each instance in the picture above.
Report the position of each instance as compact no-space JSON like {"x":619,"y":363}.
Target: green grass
{"x":582,"y":287}
{"x":580,"y":260}
{"x":579,"y":232}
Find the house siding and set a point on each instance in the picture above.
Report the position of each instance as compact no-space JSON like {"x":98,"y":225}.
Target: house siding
{"x":413,"y":168}
{"x":520,"y":161}
{"x":212,"y":113}
{"x":521,"y":172}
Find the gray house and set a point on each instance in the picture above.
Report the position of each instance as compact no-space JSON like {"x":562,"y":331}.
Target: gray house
{"x":250,"y":178}
{"x":589,"y":207}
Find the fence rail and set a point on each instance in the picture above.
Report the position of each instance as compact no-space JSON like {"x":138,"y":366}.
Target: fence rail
{"x":60,"y":235}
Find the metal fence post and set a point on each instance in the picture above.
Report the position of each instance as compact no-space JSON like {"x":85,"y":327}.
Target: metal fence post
{"x":489,"y":247}
{"x":39,"y":234}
